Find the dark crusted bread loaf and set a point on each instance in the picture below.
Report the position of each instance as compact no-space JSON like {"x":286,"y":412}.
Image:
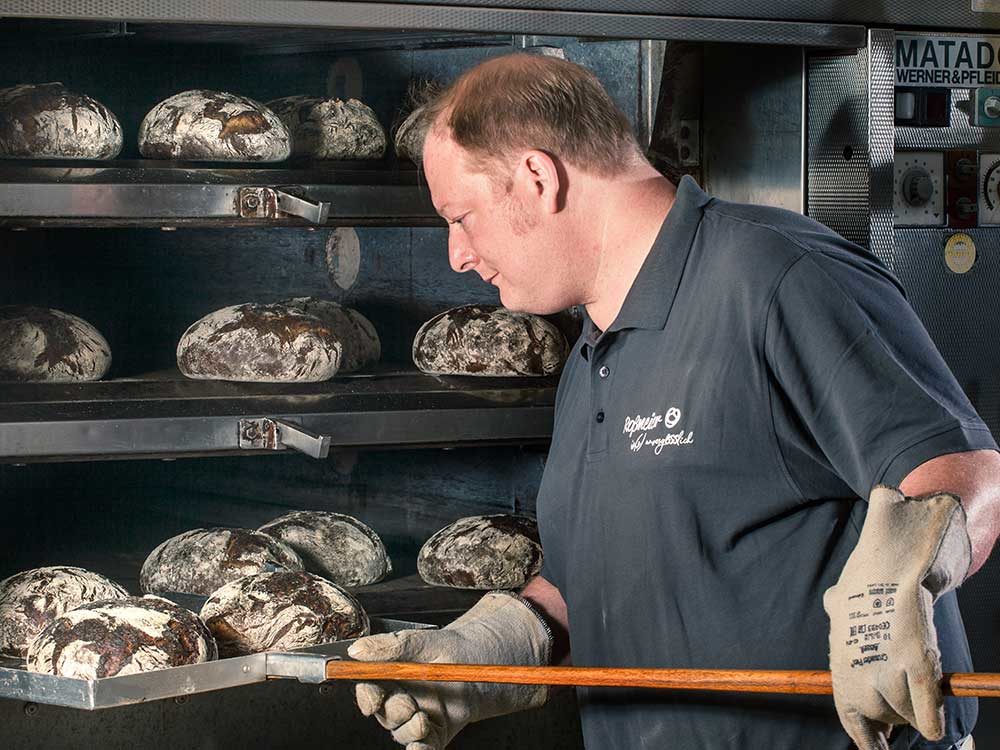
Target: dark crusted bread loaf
{"x":336,"y":546}
{"x":120,"y":637}
{"x":259,"y":343}
{"x":331,"y":128}
{"x":40,"y":344}
{"x":361,"y":345}
{"x":48,"y":121}
{"x":281,"y":611}
{"x":202,"y":125}
{"x":482,"y":552}
{"x":30,"y":600}
{"x":201,"y":560}
{"x":488,"y":340}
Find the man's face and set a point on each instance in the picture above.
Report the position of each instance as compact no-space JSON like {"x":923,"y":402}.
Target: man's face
{"x":491,"y":231}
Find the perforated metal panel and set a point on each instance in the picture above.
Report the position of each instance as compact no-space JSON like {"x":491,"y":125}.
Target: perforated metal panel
{"x":837,"y":143}
{"x":881,"y":143}
{"x":961,"y":313}
{"x":953,"y":15}
{"x":609,"y":22}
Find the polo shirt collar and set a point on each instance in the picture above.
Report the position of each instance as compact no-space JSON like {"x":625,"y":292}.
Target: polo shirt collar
{"x":652,"y":294}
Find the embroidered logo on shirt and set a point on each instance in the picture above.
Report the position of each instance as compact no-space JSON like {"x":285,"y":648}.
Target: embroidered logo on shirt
{"x":642,"y":431}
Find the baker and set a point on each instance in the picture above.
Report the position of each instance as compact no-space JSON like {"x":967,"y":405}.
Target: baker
{"x":759,"y":459}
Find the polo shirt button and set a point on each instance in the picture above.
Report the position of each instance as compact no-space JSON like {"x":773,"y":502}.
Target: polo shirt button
{"x":604,"y":372}
{"x":600,"y":416}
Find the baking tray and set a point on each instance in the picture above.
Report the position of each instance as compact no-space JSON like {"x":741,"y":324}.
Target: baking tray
{"x":305,"y":665}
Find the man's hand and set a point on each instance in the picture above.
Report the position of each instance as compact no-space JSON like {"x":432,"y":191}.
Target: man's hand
{"x":501,"y":628}
{"x":883,"y":646}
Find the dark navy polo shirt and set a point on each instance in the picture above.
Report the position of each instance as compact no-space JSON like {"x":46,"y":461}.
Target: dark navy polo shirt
{"x":709,"y":455}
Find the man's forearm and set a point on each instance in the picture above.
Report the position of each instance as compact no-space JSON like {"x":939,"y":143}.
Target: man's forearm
{"x":547,"y":599}
{"x":975,"y":477}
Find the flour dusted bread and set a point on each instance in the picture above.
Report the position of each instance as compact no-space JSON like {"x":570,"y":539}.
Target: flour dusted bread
{"x":334,"y":545}
{"x":331,"y":128}
{"x":482,"y":552}
{"x":39,"y":344}
{"x":203,"y":125}
{"x":360,"y":342}
{"x":48,"y":121}
{"x":201,"y":560}
{"x":32,"y":599}
{"x":488,"y":340}
{"x":120,"y":637}
{"x":259,"y":343}
{"x":281,"y":611}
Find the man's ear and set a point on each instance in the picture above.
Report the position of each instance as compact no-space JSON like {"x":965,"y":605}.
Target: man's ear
{"x":538,"y":179}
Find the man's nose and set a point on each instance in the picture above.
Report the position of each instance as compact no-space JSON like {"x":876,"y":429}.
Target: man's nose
{"x":460,"y":254}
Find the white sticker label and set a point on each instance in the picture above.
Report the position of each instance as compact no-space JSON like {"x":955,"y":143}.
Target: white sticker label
{"x":947,"y":61}
{"x":986,"y":6}
{"x":960,"y":253}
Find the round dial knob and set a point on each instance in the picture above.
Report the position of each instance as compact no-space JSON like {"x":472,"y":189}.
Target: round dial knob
{"x":991,"y":107}
{"x":917,"y":187}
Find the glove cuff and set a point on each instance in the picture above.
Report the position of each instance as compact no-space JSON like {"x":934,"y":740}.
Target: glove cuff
{"x":953,"y":560}
{"x":930,"y":527}
{"x":510,"y":631}
{"x":549,"y":639}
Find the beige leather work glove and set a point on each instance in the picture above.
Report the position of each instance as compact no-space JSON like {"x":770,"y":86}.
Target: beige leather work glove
{"x":883,"y":646}
{"x":502,"y":628}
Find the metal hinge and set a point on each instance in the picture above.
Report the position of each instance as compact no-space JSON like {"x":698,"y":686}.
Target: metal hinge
{"x":273,"y":202}
{"x":277,"y":435}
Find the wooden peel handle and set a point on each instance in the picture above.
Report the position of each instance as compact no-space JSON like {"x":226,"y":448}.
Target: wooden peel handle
{"x":983,"y":684}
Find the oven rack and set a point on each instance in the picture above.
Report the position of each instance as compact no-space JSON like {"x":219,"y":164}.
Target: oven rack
{"x":164,"y":415}
{"x":170,"y":194}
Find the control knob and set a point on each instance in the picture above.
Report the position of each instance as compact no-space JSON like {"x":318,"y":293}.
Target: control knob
{"x":917,"y":187}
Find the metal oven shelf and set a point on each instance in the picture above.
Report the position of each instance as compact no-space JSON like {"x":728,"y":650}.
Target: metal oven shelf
{"x":166,"y":415}
{"x":154,"y":193}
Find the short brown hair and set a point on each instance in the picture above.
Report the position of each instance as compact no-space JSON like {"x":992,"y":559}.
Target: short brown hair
{"x":524,"y":101}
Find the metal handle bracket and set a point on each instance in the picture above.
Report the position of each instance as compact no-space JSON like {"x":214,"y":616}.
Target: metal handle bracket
{"x":276,"y":435}
{"x":271,"y":202}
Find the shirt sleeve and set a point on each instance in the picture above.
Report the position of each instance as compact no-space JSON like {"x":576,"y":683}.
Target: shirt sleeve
{"x":857,"y":385}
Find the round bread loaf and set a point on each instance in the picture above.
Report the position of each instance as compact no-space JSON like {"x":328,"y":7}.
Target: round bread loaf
{"x":201,"y":560}
{"x":48,"y":121}
{"x":361,"y":345}
{"x":29,"y":601}
{"x":259,"y":344}
{"x":410,"y":135}
{"x":281,"y":611}
{"x":40,"y":344}
{"x":331,"y":128}
{"x":201,"y":125}
{"x":333,"y":545}
{"x":120,"y":637}
{"x":482,"y":552}
{"x":488,"y":340}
